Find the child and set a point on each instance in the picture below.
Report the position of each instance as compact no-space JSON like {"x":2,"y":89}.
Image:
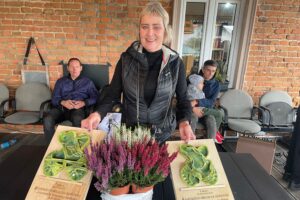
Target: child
{"x":194,"y":93}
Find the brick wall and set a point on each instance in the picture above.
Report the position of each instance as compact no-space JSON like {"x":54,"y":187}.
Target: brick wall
{"x":96,"y":31}
{"x":274,"y":57}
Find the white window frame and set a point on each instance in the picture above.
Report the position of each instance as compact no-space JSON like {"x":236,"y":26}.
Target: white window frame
{"x":237,"y":67}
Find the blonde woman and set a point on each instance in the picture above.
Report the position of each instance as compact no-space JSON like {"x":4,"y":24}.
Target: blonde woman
{"x":148,"y":75}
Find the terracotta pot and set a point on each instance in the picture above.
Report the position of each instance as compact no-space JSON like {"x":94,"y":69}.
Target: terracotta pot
{"x":120,"y":190}
{"x":137,"y":189}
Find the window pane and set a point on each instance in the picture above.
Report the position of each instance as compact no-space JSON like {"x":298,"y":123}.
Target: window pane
{"x":193,"y":33}
{"x":223,"y":37}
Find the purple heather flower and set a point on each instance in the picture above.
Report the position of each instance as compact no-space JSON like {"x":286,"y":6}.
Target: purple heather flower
{"x":105,"y":177}
{"x":98,"y":186}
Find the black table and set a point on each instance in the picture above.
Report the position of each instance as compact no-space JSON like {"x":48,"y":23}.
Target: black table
{"x":247,"y":179}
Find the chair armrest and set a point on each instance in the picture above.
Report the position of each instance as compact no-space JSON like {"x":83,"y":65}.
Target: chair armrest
{"x":265,"y":115}
{"x":255,"y":112}
{"x":225,"y":120}
{"x":2,"y":107}
{"x":45,"y":106}
{"x":13,"y":105}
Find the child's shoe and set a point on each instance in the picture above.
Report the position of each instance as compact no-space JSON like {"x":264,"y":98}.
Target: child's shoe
{"x":218,"y":140}
{"x":219,"y":135}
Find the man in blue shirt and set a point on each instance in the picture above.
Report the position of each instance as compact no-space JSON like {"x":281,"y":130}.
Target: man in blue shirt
{"x":211,"y":90}
{"x":72,"y":95}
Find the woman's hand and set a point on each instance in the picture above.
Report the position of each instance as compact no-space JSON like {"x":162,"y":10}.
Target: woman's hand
{"x":198,"y":112}
{"x":185,"y":131}
{"x":91,"y":122}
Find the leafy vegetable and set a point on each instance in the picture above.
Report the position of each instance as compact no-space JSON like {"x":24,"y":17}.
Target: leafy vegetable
{"x":197,"y":167}
{"x":70,"y":157}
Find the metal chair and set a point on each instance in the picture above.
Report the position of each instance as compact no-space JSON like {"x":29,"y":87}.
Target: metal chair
{"x":4,"y":98}
{"x":276,"y":112}
{"x":28,"y":104}
{"x":238,"y":113}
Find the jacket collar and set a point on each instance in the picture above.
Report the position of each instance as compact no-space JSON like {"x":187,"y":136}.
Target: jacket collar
{"x":136,"y":50}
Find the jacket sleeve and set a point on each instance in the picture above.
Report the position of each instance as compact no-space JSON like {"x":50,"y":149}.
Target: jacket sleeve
{"x":210,"y":96}
{"x":93,"y":94}
{"x":184,"y":109}
{"x":112,"y":93}
{"x":56,"y":95}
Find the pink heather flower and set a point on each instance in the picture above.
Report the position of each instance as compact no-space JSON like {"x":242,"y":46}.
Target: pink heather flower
{"x":121,"y":158}
{"x":141,"y":148}
{"x":99,"y":169}
{"x":137,"y":167}
{"x":105,"y":177}
{"x":173,"y":156}
{"x":130,"y":165}
{"x":154,"y":155}
{"x":145,"y":155}
{"x":98,"y":186}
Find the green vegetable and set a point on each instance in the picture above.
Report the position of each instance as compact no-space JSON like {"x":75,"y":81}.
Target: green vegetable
{"x":197,"y":167}
{"x":70,"y":157}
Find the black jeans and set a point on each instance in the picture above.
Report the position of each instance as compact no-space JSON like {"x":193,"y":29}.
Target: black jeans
{"x":56,"y":115}
{"x":292,"y":165}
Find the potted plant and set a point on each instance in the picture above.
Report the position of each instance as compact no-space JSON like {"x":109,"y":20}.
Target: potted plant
{"x":108,"y":162}
{"x":129,"y":157}
{"x":152,"y":163}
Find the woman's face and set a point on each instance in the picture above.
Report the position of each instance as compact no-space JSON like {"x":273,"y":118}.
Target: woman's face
{"x":152,"y":32}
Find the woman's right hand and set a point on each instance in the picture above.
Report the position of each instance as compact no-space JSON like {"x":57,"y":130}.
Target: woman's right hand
{"x":91,"y":122}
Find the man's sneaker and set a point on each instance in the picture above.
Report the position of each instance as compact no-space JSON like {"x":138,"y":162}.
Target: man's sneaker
{"x":218,"y":134}
{"x":218,"y":140}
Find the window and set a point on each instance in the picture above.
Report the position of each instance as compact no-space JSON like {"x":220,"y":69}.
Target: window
{"x":209,"y":29}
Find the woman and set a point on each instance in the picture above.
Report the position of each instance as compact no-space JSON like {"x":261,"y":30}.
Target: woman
{"x":154,"y":73}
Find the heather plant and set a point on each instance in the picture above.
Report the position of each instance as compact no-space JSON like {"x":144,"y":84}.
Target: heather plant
{"x":139,"y":134}
{"x":108,"y":161}
{"x":129,"y":156}
{"x":152,"y":162}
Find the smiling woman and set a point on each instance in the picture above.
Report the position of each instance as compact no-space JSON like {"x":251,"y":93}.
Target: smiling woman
{"x":149,"y":74}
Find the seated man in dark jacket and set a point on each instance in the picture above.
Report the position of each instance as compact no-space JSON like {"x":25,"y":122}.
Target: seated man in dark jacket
{"x":211,"y":90}
{"x":71,"y":96}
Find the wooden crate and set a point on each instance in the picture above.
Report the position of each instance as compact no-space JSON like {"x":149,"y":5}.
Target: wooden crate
{"x":218,"y":191}
{"x":60,"y":186}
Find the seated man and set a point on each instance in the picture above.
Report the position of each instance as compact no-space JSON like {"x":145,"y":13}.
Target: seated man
{"x":194,"y":94}
{"x":72,"y":95}
{"x":211,"y":90}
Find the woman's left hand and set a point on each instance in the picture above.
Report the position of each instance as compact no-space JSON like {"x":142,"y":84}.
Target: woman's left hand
{"x":185,"y":131}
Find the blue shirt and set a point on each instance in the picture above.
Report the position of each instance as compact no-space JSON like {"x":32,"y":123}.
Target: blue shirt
{"x":211,"y":90}
{"x":80,"y":89}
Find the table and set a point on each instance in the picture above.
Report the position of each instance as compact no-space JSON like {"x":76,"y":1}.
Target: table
{"x":248,"y":180}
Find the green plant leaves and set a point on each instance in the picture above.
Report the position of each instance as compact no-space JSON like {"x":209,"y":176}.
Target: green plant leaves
{"x":197,"y":167}
{"x":70,"y":158}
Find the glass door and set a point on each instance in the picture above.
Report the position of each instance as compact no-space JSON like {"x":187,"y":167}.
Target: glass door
{"x":192,"y":41}
{"x":222,"y":38}
{"x":208,"y":29}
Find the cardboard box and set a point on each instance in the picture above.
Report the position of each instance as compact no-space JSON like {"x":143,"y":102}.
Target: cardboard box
{"x":61,"y":186}
{"x":263,"y":151}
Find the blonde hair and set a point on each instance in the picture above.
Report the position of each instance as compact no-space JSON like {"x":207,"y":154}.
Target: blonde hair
{"x":155,"y":8}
